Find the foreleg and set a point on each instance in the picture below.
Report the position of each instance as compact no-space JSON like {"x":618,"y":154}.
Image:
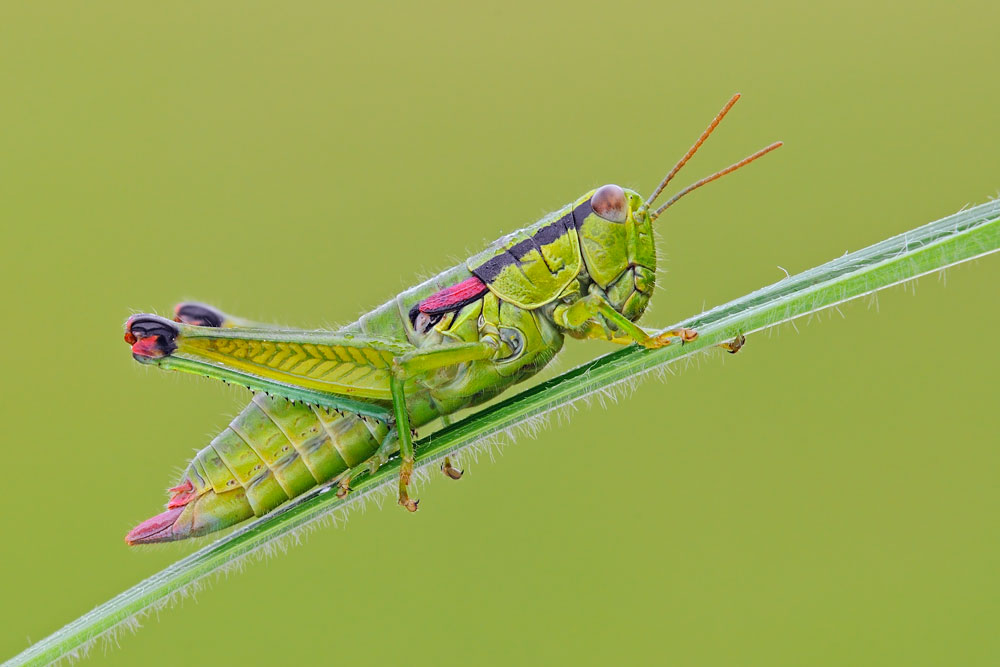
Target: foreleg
{"x":583,"y":314}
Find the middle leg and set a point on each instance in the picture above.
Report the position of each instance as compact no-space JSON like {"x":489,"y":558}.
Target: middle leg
{"x":412,"y":365}
{"x":407,"y":367}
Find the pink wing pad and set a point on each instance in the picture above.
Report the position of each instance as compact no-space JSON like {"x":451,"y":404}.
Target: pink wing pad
{"x":453,"y":297}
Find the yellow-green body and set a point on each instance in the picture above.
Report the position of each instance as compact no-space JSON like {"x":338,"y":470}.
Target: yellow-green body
{"x":277,"y":448}
{"x":337,"y":404}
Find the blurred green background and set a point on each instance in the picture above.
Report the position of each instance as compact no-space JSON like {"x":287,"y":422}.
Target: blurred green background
{"x":829,"y":496}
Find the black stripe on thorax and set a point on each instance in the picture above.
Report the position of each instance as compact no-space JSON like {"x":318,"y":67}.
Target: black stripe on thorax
{"x":491,"y":268}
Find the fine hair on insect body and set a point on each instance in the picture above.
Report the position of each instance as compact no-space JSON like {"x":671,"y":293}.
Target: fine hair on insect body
{"x":332,"y":405}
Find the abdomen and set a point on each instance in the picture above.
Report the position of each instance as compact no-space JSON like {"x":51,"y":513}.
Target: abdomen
{"x":275,"y":450}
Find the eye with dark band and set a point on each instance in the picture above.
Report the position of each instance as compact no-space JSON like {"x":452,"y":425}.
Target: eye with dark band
{"x":610,"y":203}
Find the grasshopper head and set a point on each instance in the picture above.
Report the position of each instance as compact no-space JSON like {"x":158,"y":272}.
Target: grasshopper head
{"x":618,"y":248}
{"x":617,"y":237}
{"x":630,"y":290}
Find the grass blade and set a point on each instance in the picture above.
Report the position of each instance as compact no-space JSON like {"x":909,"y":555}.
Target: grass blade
{"x":957,"y":238}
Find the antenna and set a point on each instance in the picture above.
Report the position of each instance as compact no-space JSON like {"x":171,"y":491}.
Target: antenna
{"x":719,"y":174}
{"x":687,"y":156}
{"x":691,"y":151}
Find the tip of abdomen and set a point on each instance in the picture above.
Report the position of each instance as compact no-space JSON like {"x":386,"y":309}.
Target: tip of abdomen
{"x":199,"y":515}
{"x":156,"y":529}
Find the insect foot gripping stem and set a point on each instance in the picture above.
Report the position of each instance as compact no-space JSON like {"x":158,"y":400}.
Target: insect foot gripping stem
{"x":449,"y":470}
{"x":151,"y":337}
{"x":735,"y":345}
{"x":668,"y":337}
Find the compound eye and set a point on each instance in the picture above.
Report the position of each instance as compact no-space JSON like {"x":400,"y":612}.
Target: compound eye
{"x":610,"y":203}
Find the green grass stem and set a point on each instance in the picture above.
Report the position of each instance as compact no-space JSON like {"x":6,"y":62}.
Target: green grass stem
{"x":971,"y":233}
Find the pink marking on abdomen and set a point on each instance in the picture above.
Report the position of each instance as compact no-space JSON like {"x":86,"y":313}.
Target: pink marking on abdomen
{"x":183,"y":494}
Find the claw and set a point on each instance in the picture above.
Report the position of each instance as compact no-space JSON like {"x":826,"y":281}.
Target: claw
{"x":735,"y":345}
{"x":686,"y":335}
{"x":409,"y":503}
{"x":668,"y":337}
{"x":151,"y":337}
{"x":451,"y":471}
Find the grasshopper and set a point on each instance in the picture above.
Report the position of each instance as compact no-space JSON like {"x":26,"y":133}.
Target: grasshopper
{"x":331,"y":405}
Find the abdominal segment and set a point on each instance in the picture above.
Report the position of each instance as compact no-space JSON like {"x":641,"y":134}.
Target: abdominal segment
{"x":272,"y":451}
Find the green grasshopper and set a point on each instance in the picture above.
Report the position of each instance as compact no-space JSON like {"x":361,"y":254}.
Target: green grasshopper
{"x":332,"y":405}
